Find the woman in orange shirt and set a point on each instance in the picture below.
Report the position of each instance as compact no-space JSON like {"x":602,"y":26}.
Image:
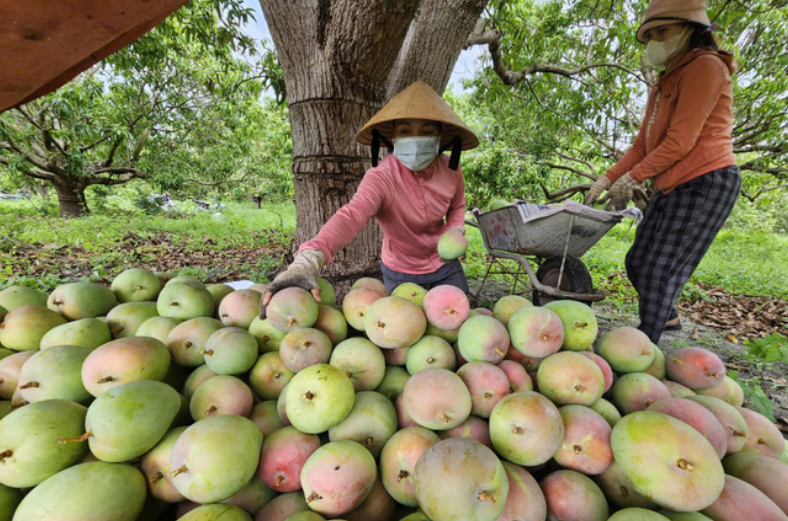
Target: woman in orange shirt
{"x":685,"y":147}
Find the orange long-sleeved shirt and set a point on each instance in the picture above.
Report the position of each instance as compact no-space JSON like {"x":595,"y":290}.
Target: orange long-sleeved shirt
{"x":688,"y":125}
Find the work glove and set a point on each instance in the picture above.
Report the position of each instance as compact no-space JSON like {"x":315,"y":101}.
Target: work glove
{"x":600,"y":185}
{"x":623,"y":190}
{"x":303,"y":273}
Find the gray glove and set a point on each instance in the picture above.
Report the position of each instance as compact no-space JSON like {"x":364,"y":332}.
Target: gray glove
{"x":622,"y":191}
{"x":303,"y":273}
{"x":600,"y":185}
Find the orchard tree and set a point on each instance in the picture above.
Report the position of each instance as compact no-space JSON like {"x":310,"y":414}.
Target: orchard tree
{"x":178,"y":105}
{"x":342,"y":60}
{"x":567,"y":81}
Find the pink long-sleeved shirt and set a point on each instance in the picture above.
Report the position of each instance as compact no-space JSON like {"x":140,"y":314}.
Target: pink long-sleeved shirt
{"x":412,"y":208}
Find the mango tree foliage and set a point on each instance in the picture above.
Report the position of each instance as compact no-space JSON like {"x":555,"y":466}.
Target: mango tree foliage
{"x":567,"y":81}
{"x":180,"y":105}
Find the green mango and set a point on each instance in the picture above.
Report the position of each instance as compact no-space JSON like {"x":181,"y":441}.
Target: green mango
{"x":88,"y":332}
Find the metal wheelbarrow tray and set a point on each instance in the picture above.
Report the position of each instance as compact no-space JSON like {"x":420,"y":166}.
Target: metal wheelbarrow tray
{"x":569,"y":230}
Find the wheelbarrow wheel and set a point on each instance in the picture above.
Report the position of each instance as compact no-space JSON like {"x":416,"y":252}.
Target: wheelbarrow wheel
{"x":576,"y":278}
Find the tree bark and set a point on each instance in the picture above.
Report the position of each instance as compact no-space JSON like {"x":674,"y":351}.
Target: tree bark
{"x":71,"y":197}
{"x":342,"y":60}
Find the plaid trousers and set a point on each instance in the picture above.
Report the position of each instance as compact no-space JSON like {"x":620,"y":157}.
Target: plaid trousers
{"x":675,"y":234}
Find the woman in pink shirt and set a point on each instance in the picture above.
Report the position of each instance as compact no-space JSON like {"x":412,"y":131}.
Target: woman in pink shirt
{"x":416,"y":194}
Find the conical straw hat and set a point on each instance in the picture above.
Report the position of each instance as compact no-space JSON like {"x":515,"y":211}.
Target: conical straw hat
{"x":418,"y":101}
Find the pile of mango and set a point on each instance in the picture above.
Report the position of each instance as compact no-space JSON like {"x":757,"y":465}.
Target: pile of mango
{"x":161,"y":398}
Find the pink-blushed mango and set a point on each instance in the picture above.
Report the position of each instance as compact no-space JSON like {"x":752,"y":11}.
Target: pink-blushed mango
{"x":361,"y":361}
{"x":607,"y":371}
{"x":304,"y":346}
{"x":87,"y":332}
{"x":122,"y":361}
{"x":620,"y":491}
{"x":507,"y":306}
{"x":95,"y":491}
{"x":397,"y":356}
{"x":526,"y":428}
{"x":332,"y":322}
{"x":219,"y":396}
{"x":239,"y":308}
{"x":54,"y":374}
{"x":571,"y":496}
{"x":698,"y":417}
{"x":378,"y":506}
{"x":536,"y":332}
{"x":657,"y":369}
{"x":371,"y":422}
{"x":370,"y":284}
{"x":195,"y":379}
{"x":282,"y":507}
{"x":266,"y":417}
{"x":525,"y":501}
{"x":185,"y":301}
{"x":230,"y":351}
{"x":728,"y":390}
{"x":268,"y":337}
{"x":215,"y":458}
{"x":155,"y":465}
{"x":82,"y":300}
{"x":764,"y":436}
{"x":356,"y":304}
{"x":677,"y":390}
{"x":487,"y":384}
{"x":284,"y":454}
{"x":157,"y":327}
{"x":695,"y":367}
{"x":637,"y":391}
{"x":403,"y":418}
{"x":269,"y":376}
{"x":17,"y":296}
{"x":452,"y":245}
{"x":483,"y":339}
{"x":291,"y":308}
{"x":187,"y":340}
{"x":637,"y":514}
{"x":437,"y":399}
{"x":449,"y":335}
{"x":473,"y":428}
{"x":768,"y":475}
{"x":125,"y":319}
{"x":23,"y":328}
{"x":460,"y":480}
{"x":430,"y":352}
{"x":531,"y":364}
{"x":252,"y":498}
{"x":136,"y":285}
{"x":607,"y":410}
{"x":446,"y":306}
{"x":10,"y":367}
{"x":398,"y":460}
{"x":626,"y":349}
{"x":580,"y":325}
{"x":393,"y":383}
{"x":517,"y":375}
{"x":410,"y":291}
{"x":338,"y":477}
{"x":667,"y":461}
{"x":570,"y":378}
{"x":394,"y":322}
{"x":318,"y":398}
{"x":740,"y":500}
{"x":126,"y":421}
{"x":732,"y":421}
{"x":586,"y":446}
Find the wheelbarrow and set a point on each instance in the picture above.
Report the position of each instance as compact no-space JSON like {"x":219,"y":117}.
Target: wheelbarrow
{"x":554,"y":238}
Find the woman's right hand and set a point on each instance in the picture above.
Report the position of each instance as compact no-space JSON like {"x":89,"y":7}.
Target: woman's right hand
{"x":303,"y":273}
{"x":600,"y":185}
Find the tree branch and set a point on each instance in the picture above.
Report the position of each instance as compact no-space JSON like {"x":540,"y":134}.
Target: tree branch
{"x":567,"y":168}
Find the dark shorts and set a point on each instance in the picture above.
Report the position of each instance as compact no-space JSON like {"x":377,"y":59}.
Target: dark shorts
{"x":450,"y":274}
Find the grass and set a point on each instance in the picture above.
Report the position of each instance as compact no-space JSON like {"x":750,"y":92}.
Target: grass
{"x":741,"y":261}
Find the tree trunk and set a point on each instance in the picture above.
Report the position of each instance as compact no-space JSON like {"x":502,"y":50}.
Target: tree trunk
{"x":71,"y":196}
{"x":342,"y":60}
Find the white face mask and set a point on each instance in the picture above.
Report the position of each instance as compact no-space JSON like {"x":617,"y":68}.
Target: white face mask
{"x":417,"y":152}
{"x":658,"y":53}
